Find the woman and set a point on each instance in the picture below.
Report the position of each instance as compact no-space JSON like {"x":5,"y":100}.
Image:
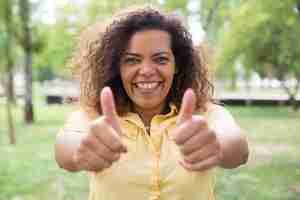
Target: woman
{"x":147,"y":127}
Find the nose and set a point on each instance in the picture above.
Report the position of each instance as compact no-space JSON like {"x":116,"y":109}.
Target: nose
{"x":147,"y":69}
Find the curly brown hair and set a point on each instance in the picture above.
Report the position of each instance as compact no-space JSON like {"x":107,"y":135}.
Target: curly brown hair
{"x":101,"y":49}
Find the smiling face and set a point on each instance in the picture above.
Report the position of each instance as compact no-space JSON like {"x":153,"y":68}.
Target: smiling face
{"x":147,"y":70}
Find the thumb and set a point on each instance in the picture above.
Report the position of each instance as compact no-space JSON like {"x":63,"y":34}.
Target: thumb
{"x":108,"y":108}
{"x":187,"y":106}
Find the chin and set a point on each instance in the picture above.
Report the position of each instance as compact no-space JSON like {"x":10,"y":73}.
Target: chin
{"x":149,"y":104}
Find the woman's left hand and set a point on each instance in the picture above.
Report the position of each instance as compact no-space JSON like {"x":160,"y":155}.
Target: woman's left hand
{"x":198,"y":144}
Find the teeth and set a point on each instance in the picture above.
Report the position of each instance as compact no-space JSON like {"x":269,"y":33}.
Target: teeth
{"x":147,"y":85}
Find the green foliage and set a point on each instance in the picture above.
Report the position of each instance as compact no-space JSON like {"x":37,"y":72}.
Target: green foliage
{"x":58,"y":45}
{"x":264,"y":34}
{"x":17,"y":41}
{"x":60,"y":38}
{"x":176,"y":5}
{"x":97,"y":10}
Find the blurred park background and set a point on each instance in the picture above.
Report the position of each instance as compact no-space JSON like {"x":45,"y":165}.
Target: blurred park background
{"x":254,"y":48}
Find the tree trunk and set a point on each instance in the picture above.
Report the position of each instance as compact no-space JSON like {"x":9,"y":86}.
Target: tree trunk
{"x":10,"y":83}
{"x":292,"y":92}
{"x":9,"y":63}
{"x":10,"y":121}
{"x":294,"y":102}
{"x":233,"y":81}
{"x":211,"y":14}
{"x":27,"y":46}
{"x":9,"y":69}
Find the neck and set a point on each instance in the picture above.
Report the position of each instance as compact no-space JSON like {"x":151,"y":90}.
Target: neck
{"x":148,"y":114}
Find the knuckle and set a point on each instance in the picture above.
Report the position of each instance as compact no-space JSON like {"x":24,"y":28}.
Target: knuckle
{"x":178,"y":138}
{"x":210,"y":136}
{"x":93,"y":125}
{"x":106,"y":164}
{"x":81,"y":149}
{"x":79,"y":159}
{"x":115,"y":157}
{"x":96,"y":124}
{"x":203,"y":167}
{"x":101,"y":149}
{"x":190,"y":159}
{"x":86,"y":141}
{"x":186,"y":151}
{"x":199,"y":120}
{"x":220,"y":156}
{"x":117,"y":147}
{"x":217,"y":145}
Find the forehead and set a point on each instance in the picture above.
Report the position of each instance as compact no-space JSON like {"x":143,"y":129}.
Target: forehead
{"x":149,"y":41}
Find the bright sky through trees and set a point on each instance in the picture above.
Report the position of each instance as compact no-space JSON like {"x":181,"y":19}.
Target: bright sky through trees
{"x":46,"y":13}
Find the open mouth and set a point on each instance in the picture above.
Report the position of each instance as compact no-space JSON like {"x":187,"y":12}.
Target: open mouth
{"x":148,"y":87}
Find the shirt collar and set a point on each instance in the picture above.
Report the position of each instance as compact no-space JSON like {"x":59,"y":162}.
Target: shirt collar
{"x":134,"y":117}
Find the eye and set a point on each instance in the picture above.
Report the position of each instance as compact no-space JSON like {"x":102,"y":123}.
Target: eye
{"x":161,"y":60}
{"x":131,"y":61}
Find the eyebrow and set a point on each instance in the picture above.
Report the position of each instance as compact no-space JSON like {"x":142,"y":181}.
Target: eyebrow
{"x":138,"y":55}
{"x":161,"y":53}
{"x":131,"y":54}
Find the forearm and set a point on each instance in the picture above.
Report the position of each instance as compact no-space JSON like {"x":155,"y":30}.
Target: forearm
{"x":65,"y":147}
{"x":234,"y":149}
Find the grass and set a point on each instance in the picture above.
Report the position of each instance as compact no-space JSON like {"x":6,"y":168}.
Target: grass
{"x":28,"y":171}
{"x":273,"y":170}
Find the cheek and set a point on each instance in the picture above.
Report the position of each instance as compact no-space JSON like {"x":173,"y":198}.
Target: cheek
{"x":126,"y":78}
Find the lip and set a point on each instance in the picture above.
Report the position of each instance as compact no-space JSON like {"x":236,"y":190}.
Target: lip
{"x":146,"y":89}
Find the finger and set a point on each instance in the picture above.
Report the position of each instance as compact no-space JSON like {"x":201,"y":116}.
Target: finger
{"x":103,"y":151}
{"x":107,"y":135}
{"x":109,"y":108}
{"x":197,"y":141}
{"x":107,"y":103}
{"x":187,"y":130}
{"x":96,"y":163}
{"x":91,"y":142}
{"x":90,"y":161}
{"x":204,"y":153}
{"x":203,"y":165}
{"x":187,"y":107}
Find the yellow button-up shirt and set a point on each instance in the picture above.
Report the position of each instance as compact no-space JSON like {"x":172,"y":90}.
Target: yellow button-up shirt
{"x":150,"y":169}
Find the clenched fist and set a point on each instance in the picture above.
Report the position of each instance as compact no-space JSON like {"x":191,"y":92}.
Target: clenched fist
{"x":198,"y":144}
{"x":102,"y":145}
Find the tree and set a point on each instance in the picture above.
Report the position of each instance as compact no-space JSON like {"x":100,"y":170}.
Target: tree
{"x":264,"y":36}
{"x":60,"y":37}
{"x":8,"y":30}
{"x":26,"y":43}
{"x":7,"y":41}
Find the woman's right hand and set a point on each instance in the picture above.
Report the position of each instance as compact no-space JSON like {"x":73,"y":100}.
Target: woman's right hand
{"x":102,"y":145}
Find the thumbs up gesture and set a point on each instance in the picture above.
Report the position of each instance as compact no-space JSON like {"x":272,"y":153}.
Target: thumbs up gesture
{"x":198,"y":144}
{"x":102,"y":144}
